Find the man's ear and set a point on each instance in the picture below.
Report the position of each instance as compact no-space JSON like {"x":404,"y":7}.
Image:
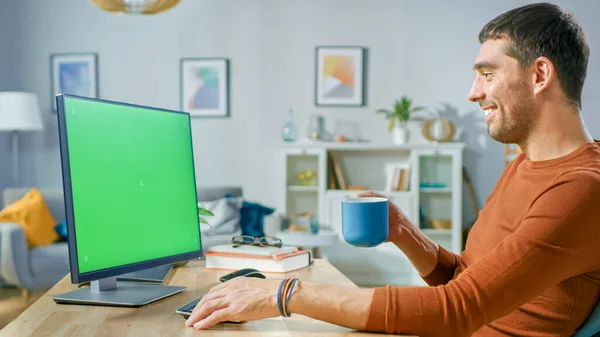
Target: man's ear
{"x":543,"y":74}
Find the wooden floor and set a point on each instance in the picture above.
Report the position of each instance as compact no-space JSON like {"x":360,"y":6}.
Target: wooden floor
{"x":12,"y":304}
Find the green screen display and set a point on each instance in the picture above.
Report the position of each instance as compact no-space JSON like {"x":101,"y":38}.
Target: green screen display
{"x":132,"y":181}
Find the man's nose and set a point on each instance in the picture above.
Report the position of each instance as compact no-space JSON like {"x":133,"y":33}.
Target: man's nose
{"x":476,"y":94}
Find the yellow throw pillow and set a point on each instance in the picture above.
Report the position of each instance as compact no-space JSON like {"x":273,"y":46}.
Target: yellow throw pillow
{"x":32,"y":213}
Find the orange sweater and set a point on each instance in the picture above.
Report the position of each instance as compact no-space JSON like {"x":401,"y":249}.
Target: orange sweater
{"x":531,"y":266}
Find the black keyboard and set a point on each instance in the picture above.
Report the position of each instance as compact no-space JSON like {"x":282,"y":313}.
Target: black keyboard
{"x":187,"y":309}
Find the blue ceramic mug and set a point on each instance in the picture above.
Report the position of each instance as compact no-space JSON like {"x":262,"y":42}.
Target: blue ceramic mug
{"x":365,"y":221}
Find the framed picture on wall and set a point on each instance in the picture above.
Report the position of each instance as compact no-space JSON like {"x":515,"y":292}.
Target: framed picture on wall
{"x":74,"y":74}
{"x":204,"y":88}
{"x":340,"y":76}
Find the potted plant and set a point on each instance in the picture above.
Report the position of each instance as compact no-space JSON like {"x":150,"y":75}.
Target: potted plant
{"x":399,"y":116}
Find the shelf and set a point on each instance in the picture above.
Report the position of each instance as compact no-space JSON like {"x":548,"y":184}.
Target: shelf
{"x":370,"y":146}
{"x":435,"y":190}
{"x":432,"y":231}
{"x":300,"y":188}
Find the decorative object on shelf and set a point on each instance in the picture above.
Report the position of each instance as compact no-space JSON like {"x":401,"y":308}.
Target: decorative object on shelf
{"x":399,"y":116}
{"x":288,"y":132}
{"x":74,"y":74}
{"x":316,"y":127}
{"x":136,"y":6}
{"x":431,"y":165}
{"x":204,"y":88}
{"x":304,"y":222}
{"x":425,"y":184}
{"x":346,"y":131}
{"x":307,"y":177}
{"x":340,"y":76}
{"x":438,"y":130}
{"x":441,"y":223}
{"x":314,"y":225}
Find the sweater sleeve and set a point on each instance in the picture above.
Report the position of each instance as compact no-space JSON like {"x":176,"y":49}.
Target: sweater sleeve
{"x":447,"y":266}
{"x":556,"y":240}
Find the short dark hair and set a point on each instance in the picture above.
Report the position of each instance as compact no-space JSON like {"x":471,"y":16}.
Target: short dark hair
{"x":544,"y":29}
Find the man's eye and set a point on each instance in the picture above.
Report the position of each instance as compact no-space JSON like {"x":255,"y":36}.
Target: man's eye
{"x":487,"y":75}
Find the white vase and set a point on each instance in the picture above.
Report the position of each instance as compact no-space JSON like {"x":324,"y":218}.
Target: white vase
{"x":400,"y":135}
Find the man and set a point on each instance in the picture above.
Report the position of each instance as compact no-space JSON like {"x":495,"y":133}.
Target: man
{"x":531,"y":266}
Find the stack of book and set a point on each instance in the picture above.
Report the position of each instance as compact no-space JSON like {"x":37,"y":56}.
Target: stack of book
{"x":264,"y":259}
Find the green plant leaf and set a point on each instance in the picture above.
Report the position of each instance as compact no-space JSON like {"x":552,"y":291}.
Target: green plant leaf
{"x":204,"y":211}
{"x":402,"y":109}
{"x":204,"y":221}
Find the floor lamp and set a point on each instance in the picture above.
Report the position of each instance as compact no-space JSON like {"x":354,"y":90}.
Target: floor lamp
{"x":19,"y":111}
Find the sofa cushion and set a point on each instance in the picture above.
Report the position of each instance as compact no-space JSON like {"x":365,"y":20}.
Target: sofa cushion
{"x":49,"y":263}
{"x":226,"y":219}
{"x":32,"y":213}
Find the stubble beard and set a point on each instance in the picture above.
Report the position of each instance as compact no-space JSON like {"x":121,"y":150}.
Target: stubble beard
{"x":517,"y":121}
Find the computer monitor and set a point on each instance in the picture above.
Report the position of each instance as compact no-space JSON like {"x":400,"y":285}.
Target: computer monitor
{"x":130,"y":196}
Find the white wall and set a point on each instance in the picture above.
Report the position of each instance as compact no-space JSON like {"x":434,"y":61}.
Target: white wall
{"x":424,"y":49}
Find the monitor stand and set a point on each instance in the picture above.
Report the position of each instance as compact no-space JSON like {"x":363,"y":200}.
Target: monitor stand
{"x":151,"y":275}
{"x":123,"y":294}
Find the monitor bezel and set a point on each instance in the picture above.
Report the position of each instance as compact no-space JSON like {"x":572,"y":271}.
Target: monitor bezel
{"x":76,"y":276}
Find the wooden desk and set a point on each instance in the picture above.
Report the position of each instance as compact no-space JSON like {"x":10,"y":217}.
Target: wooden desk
{"x":46,"y":318}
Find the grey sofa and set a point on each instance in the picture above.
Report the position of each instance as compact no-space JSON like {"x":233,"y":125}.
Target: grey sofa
{"x":40,"y":268}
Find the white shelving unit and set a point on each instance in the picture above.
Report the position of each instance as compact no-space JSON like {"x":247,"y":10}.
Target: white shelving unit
{"x":434,"y":192}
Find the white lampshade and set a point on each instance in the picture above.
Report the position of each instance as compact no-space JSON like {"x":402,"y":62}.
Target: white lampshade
{"x":19,"y":111}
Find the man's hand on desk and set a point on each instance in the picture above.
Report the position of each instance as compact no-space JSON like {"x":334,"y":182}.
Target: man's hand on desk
{"x":240,"y":299}
{"x":247,"y":299}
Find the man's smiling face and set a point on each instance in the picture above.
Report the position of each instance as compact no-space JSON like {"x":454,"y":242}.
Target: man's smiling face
{"x":505,"y":93}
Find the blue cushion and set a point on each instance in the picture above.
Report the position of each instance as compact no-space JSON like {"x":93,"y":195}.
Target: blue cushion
{"x":61,"y":230}
{"x":591,"y":326}
{"x":252,"y":217}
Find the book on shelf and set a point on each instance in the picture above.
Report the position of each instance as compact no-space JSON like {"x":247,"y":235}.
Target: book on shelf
{"x":397,"y":176}
{"x":264,"y":259}
{"x":336,"y":176}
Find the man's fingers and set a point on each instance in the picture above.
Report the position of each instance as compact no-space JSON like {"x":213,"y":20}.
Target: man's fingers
{"x":206,"y":309}
{"x":215,"y":318}
{"x":214,"y":292}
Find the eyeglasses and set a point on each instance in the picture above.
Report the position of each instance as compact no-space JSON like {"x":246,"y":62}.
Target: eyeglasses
{"x":263,"y":241}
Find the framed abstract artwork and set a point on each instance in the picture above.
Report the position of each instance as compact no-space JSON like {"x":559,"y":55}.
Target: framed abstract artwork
{"x":340,"y":76}
{"x":205,"y":87}
{"x":74,"y":74}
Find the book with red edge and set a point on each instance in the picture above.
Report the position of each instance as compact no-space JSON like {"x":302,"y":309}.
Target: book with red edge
{"x":264,"y":259}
